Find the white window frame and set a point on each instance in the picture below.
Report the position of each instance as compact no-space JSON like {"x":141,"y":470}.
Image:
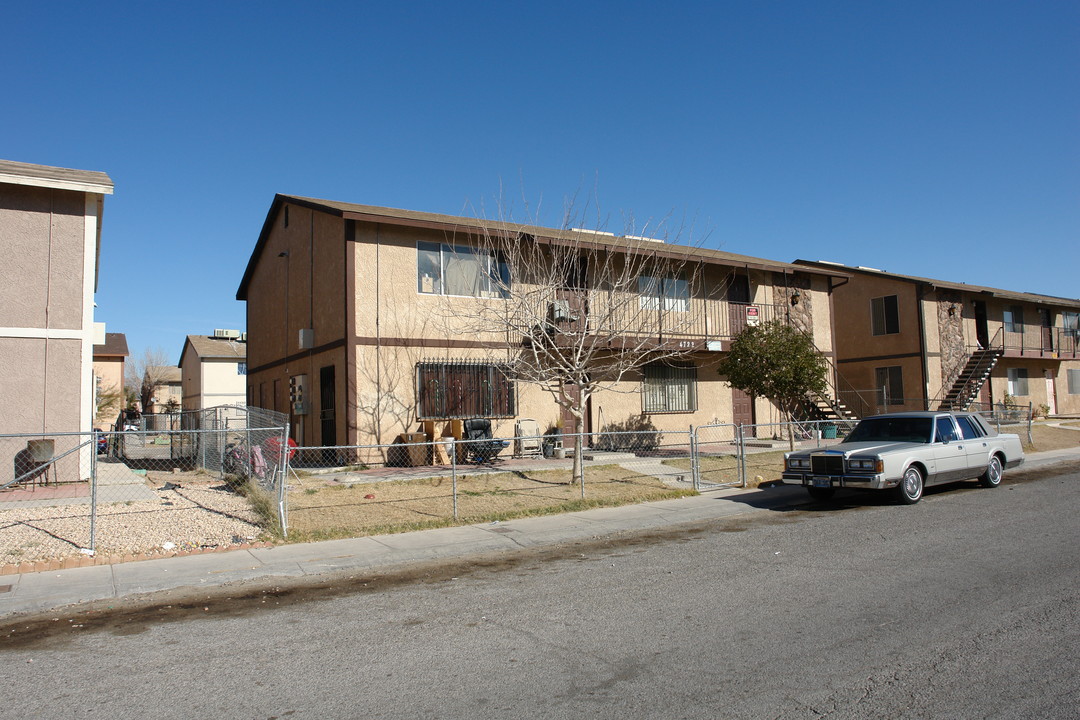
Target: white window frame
{"x":666,"y":293}
{"x":490,"y":278}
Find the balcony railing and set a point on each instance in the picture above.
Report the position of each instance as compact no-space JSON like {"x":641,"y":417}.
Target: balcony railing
{"x":1039,"y":341}
{"x":681,"y":319}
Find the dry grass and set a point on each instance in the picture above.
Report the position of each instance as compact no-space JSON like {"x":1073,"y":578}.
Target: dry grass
{"x":1046,"y":438}
{"x":334,"y":511}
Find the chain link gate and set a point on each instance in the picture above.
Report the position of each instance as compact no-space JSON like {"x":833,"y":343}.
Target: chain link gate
{"x":717,"y":452}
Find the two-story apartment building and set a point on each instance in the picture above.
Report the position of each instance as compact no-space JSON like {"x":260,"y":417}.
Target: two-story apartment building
{"x":906,"y":342}
{"x":213,"y":370}
{"x":365,"y":321}
{"x":50,"y":233}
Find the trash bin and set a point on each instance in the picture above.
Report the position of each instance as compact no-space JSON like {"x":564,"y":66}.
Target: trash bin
{"x":828,"y":432}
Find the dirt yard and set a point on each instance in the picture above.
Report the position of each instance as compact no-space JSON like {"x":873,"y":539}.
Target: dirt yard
{"x":318,"y":510}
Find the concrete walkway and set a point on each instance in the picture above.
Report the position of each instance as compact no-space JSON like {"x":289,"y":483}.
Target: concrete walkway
{"x":37,"y":592}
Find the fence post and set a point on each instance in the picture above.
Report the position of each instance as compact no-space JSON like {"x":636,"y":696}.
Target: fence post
{"x":283,"y":505}
{"x":695,"y":467}
{"x":93,"y":495}
{"x":453,"y":471}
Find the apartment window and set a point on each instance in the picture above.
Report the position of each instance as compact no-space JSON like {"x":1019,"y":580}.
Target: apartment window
{"x":464,"y":389}
{"x":1074,"y":382}
{"x":890,"y":385}
{"x":443,"y":269}
{"x":1018,"y":381}
{"x":667,"y":293}
{"x":1071,"y":322}
{"x":241,"y":368}
{"x":669,"y":388}
{"x":1013,"y":316}
{"x":885,"y":315}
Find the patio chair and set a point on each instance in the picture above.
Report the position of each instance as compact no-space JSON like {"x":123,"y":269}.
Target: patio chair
{"x":480,"y":446}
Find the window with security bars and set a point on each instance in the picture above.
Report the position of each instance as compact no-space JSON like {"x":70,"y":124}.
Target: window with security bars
{"x":669,"y":388}
{"x":464,"y":390}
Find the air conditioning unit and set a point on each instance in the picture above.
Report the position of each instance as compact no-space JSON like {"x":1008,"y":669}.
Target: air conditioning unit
{"x":226,"y":334}
{"x":559,"y":311}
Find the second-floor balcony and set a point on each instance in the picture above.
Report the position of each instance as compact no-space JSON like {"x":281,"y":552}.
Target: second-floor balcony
{"x":1036,"y":341}
{"x":708,"y":324}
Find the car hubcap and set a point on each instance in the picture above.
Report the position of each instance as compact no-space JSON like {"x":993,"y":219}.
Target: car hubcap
{"x":995,"y":472}
{"x":911,"y":484}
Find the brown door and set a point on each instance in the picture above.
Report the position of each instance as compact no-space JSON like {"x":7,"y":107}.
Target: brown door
{"x":1047,"y":330}
{"x":573,"y":392}
{"x":738,"y":297}
{"x":742,"y":411}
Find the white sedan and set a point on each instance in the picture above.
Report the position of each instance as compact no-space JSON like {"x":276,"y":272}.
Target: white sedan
{"x":906,"y":452}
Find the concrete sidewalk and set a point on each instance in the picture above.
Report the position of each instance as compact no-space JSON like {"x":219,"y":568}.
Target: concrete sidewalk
{"x":36,"y":592}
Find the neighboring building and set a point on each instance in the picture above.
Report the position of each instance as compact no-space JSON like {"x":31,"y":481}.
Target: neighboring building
{"x":50,"y":234}
{"x":214,"y":370}
{"x":342,"y":302}
{"x":169,"y":391}
{"x":109,"y":360}
{"x":914,"y":343}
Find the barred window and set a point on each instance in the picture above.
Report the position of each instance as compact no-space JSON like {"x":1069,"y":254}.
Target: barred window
{"x":464,"y":389}
{"x":669,"y":388}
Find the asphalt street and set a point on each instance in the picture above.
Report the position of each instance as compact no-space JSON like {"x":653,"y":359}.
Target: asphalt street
{"x":964,"y":605}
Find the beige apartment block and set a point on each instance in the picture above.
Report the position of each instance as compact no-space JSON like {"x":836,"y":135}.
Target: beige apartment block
{"x":109,"y":359}
{"x":357,"y":324}
{"x":912,"y":343}
{"x":50,"y":231}
{"x":213,"y":370}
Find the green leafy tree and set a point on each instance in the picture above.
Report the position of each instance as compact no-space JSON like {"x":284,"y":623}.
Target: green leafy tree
{"x":778,"y":362}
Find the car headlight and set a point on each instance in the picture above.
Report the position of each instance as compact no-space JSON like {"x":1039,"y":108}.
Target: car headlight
{"x":798,"y":463}
{"x":866,"y":464}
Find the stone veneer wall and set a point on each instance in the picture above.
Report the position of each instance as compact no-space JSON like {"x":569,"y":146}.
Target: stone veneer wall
{"x":954,"y":353}
{"x":801,"y":314}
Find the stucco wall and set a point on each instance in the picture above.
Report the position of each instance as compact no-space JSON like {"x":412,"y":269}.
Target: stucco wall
{"x":30,"y":366}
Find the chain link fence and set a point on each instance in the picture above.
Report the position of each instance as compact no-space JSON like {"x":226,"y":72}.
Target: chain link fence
{"x":133,"y":493}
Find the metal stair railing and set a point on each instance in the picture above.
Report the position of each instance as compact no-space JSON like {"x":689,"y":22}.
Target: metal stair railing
{"x":965,"y":387}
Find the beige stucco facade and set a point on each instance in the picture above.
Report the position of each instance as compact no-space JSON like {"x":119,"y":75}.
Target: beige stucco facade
{"x":340,"y":321}
{"x":213,"y":372}
{"x":940,"y":325}
{"x":50,"y":224}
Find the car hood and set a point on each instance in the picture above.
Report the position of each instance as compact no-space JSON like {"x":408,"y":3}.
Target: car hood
{"x":864,"y":448}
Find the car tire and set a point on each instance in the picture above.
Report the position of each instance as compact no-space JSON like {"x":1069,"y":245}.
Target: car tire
{"x":910,"y":489}
{"x":821,"y":493}
{"x":992,"y":477}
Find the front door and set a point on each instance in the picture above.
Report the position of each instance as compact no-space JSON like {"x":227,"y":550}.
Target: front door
{"x":327,"y":395}
{"x":572,"y":392}
{"x":1051,"y":393}
{"x":982,"y":327}
{"x":742,"y":411}
{"x":1047,"y":330}
{"x":738,"y":297}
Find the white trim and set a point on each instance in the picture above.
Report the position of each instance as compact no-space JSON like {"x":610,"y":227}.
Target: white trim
{"x":87,"y":187}
{"x":44,"y":333}
{"x":90,"y":234}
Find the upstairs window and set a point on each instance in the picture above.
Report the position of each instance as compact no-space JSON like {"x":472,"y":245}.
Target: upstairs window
{"x":1071,"y":322}
{"x":664,"y":293}
{"x":885,"y":315}
{"x":1013,"y":316}
{"x":443,"y":269}
{"x":669,"y":388}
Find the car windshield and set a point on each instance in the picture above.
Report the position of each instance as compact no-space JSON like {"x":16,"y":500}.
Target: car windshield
{"x":893,"y":429}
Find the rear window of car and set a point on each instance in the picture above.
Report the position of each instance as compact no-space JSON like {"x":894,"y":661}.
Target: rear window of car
{"x":968,"y":429}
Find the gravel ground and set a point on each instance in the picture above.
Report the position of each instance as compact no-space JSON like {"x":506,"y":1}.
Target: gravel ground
{"x":188,"y":515}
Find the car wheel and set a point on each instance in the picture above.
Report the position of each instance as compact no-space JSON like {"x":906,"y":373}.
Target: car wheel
{"x":821,"y":493}
{"x":992,"y":476}
{"x":911,"y":486}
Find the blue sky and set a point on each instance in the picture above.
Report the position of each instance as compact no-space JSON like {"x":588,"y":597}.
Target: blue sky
{"x":929,"y":138}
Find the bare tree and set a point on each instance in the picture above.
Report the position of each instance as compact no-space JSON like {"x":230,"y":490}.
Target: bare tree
{"x":146,"y":374}
{"x":580,"y":311}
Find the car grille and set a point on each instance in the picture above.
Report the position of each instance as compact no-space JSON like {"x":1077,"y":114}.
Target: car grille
{"x":827,"y":464}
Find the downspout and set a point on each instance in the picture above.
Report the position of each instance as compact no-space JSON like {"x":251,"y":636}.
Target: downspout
{"x":922,"y":347}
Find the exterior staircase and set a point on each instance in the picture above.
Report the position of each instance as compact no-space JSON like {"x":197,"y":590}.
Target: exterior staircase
{"x":820,"y":407}
{"x":971,"y":379}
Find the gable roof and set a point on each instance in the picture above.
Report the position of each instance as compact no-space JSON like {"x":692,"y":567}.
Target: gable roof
{"x":212,"y":348}
{"x":454,"y":223}
{"x":115,"y":345}
{"x":46,"y":176}
{"x":949,"y":285}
